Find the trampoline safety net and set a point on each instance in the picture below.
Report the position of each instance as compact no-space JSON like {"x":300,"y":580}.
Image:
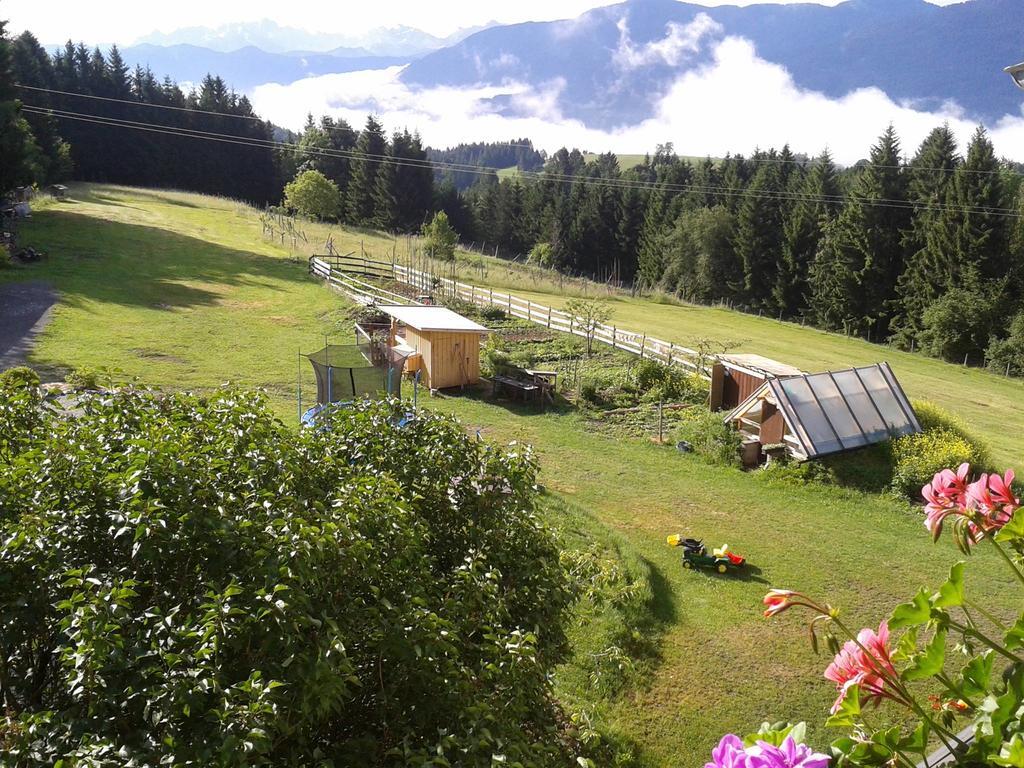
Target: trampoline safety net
{"x":348,"y":372}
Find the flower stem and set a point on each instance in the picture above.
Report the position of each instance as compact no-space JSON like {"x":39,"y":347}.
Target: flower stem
{"x":991,"y":617}
{"x":976,"y":633}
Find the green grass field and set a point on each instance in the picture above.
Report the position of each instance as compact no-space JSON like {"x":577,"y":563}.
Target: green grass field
{"x":184,"y":292}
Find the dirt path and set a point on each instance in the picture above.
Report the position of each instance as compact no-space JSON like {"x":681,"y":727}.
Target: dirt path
{"x":25,"y":309}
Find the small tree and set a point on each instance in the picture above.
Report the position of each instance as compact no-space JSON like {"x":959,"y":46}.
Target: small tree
{"x":313,"y":194}
{"x":441,"y":237}
{"x":543,"y":255}
{"x":588,"y":316}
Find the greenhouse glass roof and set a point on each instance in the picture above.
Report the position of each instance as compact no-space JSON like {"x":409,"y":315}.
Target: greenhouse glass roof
{"x":839,"y":411}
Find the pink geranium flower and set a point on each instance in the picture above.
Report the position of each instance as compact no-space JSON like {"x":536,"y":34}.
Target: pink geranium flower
{"x":992,"y":496}
{"x":988,"y":503}
{"x":789,"y":754}
{"x":867,"y":664}
{"x":730,"y":753}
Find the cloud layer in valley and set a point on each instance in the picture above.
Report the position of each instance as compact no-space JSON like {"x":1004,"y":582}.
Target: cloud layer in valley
{"x":735,"y":102}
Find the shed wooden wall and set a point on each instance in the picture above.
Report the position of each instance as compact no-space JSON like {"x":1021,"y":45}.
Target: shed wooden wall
{"x":450,"y":358}
{"x":730,"y":387}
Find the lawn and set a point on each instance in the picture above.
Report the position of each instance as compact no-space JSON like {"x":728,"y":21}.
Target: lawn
{"x":185,"y":292}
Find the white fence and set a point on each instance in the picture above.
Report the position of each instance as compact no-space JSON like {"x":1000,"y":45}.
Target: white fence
{"x":618,"y":338}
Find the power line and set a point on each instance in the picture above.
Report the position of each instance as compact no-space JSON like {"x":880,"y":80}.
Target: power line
{"x":254,"y":118}
{"x":780,"y":195}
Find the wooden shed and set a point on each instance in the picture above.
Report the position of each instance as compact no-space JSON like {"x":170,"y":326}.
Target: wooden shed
{"x":447,"y":344}
{"x":734,"y":378}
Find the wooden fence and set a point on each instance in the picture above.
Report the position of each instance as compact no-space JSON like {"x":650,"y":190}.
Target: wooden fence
{"x":338,"y":273}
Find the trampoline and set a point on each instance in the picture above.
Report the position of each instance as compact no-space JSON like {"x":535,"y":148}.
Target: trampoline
{"x":347,"y":372}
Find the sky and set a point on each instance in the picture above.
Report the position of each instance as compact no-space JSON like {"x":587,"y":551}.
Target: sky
{"x":123,"y":22}
{"x":782,"y":111}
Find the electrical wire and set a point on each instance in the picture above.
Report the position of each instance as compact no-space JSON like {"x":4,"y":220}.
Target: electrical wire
{"x":779,"y":195}
{"x":254,"y":118}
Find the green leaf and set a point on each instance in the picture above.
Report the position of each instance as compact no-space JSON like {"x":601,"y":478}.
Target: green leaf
{"x":916,"y":741}
{"x":974,"y":680}
{"x":1012,"y":753}
{"x":906,"y":647}
{"x":849,"y":710}
{"x":1015,"y":637}
{"x":951,"y":594}
{"x":930,"y":661}
{"x":1013,"y":529}
{"x":912,"y":614}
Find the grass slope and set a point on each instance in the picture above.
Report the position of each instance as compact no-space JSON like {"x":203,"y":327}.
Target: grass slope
{"x":183,"y":291}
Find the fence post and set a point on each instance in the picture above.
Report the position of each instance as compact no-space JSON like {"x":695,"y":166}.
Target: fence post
{"x":614,"y":334}
{"x":671,"y":350}
{"x":490,"y":296}
{"x":529,"y":310}
{"x":549,"y":324}
{"x":509,"y":302}
{"x":643,"y":344}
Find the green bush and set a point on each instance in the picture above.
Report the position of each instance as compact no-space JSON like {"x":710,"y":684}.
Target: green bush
{"x":916,"y":458}
{"x":657,"y":381}
{"x":492,"y":313}
{"x":711,"y":437}
{"x":19,"y":377}
{"x":1007,"y":355}
{"x":187,"y":582}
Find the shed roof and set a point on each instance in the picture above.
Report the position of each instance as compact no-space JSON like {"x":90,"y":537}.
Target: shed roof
{"x":432,"y":319}
{"x":760,"y":365}
{"x":839,"y":411}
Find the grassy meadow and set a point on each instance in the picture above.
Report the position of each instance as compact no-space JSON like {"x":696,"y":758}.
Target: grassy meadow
{"x":184,"y":291}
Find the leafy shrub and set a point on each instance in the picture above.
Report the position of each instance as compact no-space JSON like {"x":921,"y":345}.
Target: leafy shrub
{"x":187,"y":582}
{"x":657,"y":381}
{"x":590,"y":390}
{"x":87,"y":378}
{"x":916,"y":458}
{"x":20,"y":377}
{"x":1007,"y":355}
{"x":945,"y":441}
{"x":312,"y":194}
{"x":493,"y":313}
{"x":711,"y":437}
{"x":440,"y":238}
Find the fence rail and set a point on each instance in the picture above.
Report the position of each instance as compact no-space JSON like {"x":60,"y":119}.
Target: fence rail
{"x":336,"y":269}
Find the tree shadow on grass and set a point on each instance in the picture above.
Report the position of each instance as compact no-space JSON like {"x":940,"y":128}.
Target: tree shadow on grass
{"x":132,"y":265}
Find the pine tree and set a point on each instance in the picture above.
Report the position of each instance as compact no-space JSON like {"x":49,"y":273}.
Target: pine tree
{"x":817,"y":201}
{"x":18,"y":152}
{"x":865,"y":245}
{"x":972,"y":234}
{"x":927,"y":272}
{"x":370,"y":148}
{"x":758,"y":240}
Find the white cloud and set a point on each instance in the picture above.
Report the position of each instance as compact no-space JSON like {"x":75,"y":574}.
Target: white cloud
{"x":679,"y":44}
{"x":735,"y":103}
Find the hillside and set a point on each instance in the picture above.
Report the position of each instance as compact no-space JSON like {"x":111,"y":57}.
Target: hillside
{"x":183,"y":291}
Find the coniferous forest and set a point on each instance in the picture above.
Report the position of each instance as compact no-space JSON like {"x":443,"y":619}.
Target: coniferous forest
{"x":921,"y":246}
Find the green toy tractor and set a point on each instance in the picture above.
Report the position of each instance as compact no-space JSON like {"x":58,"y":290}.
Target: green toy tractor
{"x":695,"y":555}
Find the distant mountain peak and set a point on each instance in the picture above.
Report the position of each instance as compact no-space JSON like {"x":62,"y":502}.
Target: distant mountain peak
{"x":269,"y":36}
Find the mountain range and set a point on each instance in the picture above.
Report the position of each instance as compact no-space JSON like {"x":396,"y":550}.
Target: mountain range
{"x":399,"y":40}
{"x":916,"y":52}
{"x":248,"y":67}
{"x":611,"y":66}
